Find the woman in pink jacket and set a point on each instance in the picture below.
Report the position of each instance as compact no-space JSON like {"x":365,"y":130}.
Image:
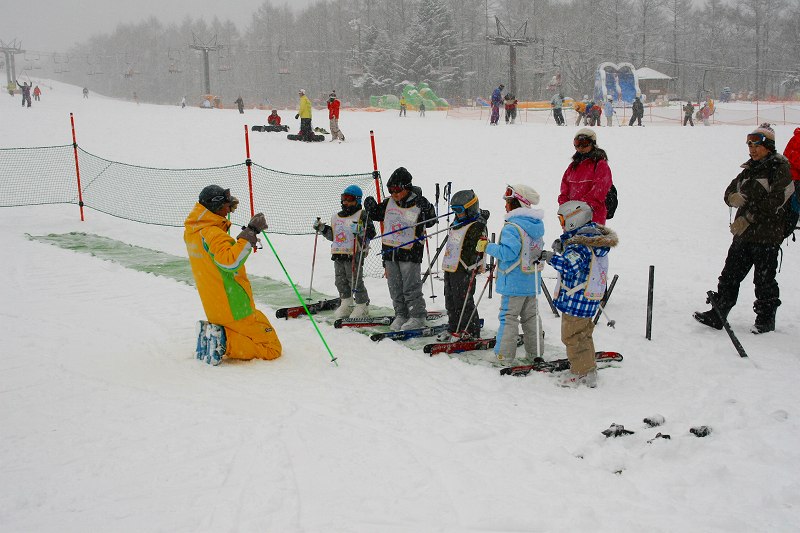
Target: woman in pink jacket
{"x":588,"y":176}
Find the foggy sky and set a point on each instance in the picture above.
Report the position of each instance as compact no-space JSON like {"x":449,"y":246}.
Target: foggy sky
{"x":55,"y":25}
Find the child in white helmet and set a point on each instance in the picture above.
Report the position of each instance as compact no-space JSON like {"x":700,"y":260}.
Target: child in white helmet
{"x":581,"y":259}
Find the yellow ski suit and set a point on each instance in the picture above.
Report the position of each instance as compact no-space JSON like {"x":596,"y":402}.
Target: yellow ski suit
{"x":217,"y":262}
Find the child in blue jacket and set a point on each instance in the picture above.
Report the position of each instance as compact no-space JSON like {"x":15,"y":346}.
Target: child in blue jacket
{"x":518,"y":273}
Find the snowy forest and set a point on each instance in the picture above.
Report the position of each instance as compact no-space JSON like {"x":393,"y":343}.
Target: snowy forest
{"x":370,"y":47}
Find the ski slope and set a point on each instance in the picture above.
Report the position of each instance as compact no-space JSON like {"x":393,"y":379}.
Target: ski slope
{"x":108,"y":423}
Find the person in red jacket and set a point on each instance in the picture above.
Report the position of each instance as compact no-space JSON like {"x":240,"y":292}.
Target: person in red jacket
{"x":333,"y":115}
{"x":274,"y":119}
{"x":588,"y":176}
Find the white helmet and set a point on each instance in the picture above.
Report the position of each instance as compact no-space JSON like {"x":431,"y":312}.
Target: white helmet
{"x":527,"y":196}
{"x":574,"y":214}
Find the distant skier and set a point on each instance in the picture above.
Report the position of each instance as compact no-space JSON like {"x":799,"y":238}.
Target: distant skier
{"x":183,"y":102}
{"x":422,"y":109}
{"x":511,"y":108}
{"x":86,"y":92}
{"x":637,"y":111}
{"x":333,"y":115}
{"x":239,"y":104}
{"x":403,"y":106}
{"x":558,"y":102}
{"x":304,"y":114}
{"x":26,"y":93}
{"x":609,"y":110}
{"x":37,"y":92}
{"x":497,"y":100}
{"x":688,"y":111}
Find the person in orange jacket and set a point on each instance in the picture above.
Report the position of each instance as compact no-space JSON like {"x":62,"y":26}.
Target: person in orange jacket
{"x":235,"y":328}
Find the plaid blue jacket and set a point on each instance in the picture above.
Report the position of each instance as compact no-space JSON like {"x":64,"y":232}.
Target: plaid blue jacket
{"x":574,"y":264}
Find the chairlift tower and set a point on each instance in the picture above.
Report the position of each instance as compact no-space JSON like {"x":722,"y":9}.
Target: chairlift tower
{"x":10,"y":50}
{"x":205,"y":48}
{"x":512,"y":40}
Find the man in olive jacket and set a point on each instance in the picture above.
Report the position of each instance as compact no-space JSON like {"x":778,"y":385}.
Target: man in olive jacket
{"x":757,"y":193}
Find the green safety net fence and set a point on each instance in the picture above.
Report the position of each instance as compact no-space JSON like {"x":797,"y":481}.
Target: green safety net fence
{"x":164,"y":196}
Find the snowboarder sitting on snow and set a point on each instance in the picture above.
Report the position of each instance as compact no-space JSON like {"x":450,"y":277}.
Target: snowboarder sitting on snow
{"x":403,"y":214}
{"x":350,"y":231}
{"x":235,"y":328}
{"x":518,"y":252}
{"x":580,"y":256}
{"x":274,"y":119}
{"x":461,"y":263}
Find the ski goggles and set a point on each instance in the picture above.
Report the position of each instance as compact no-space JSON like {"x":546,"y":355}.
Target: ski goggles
{"x":511,"y":194}
{"x":394,"y":189}
{"x":459,"y":209}
{"x":582,"y":141}
{"x":756,"y":139}
{"x":350,"y":198}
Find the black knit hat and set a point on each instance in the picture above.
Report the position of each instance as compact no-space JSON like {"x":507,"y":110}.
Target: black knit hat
{"x":400,"y":178}
{"x":213,"y":197}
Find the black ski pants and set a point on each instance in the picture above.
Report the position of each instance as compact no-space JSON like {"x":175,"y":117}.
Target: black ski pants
{"x":634,"y":118}
{"x":457,"y":290}
{"x":558,"y":116}
{"x":742,"y":256}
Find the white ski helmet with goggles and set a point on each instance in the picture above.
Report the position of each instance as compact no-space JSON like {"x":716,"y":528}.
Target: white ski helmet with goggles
{"x":574,"y":214}
{"x":524,"y":194}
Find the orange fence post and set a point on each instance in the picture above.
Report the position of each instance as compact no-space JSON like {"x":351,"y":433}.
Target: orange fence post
{"x":77,"y":167}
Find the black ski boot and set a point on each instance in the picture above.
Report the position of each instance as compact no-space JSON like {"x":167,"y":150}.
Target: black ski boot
{"x":716,"y":316}
{"x":765,"y":315}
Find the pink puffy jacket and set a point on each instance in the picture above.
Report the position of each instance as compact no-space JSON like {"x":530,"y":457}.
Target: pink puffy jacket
{"x":588,"y":182}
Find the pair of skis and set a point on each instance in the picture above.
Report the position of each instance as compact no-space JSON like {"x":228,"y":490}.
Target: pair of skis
{"x":429,"y":331}
{"x":377,"y":321}
{"x":558,"y":365}
{"x":313,"y":308}
{"x":465,"y":345}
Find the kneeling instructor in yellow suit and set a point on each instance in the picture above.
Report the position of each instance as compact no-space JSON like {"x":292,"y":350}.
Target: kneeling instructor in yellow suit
{"x":235,"y":328}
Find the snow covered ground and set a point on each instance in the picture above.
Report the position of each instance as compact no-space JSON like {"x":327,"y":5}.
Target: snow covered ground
{"x":108,"y":423}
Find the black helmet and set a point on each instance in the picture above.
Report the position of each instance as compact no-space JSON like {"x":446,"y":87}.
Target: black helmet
{"x":400,"y":178}
{"x":466,"y":201}
{"x":213,"y":197}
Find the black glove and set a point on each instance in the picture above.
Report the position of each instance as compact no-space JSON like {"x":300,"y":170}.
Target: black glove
{"x":249,"y":235}
{"x":558,"y":246}
{"x":376,"y":175}
{"x":297,"y":116}
{"x":370,"y":204}
{"x":258,"y":223}
{"x":547,"y":255}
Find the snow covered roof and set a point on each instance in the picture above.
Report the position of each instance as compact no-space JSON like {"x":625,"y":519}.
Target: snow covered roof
{"x":646,"y":73}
